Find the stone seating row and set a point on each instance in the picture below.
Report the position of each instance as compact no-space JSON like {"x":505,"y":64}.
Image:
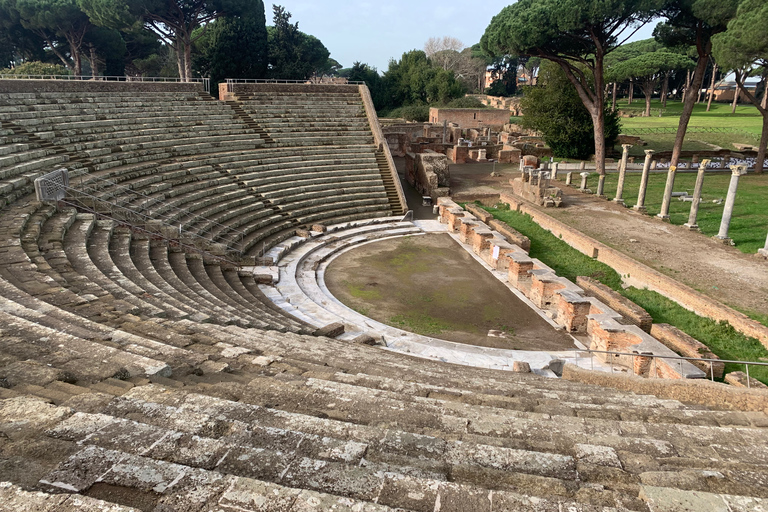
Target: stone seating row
{"x":144,"y":278}
{"x":568,"y":304}
{"x":438,"y":444}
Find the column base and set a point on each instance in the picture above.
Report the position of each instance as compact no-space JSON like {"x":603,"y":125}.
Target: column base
{"x":640,"y":209}
{"x":763,"y":252}
{"x":692,"y":227}
{"x":601,"y":196}
{"x":665,"y":218}
{"x":723,"y":240}
{"x":618,"y":201}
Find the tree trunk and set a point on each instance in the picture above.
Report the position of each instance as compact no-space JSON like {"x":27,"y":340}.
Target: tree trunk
{"x":93,"y":60}
{"x":180,"y":56}
{"x":187,"y":61}
{"x":712,"y":87}
{"x":764,"y":104}
{"x":763,"y":142}
{"x":735,"y":98}
{"x":665,"y":90}
{"x":648,"y":92}
{"x":690,"y":100}
{"x":599,"y":117}
{"x":613,"y":100}
{"x":631,"y":91}
{"x":77,"y":66}
{"x":687,"y":84}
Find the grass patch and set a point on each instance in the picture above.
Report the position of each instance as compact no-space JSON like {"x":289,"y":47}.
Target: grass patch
{"x":360,"y":292}
{"x":567,"y":262}
{"x":419,"y":323}
{"x":744,"y":126}
{"x":750,"y":217}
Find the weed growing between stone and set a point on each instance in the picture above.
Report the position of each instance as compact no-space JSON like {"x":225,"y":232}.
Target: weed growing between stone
{"x":567,"y":262}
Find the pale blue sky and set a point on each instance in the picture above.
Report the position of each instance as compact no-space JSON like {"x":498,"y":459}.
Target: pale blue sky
{"x":373,"y":31}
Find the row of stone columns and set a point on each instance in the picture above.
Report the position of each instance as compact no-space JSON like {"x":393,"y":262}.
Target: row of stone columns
{"x":736,"y":172}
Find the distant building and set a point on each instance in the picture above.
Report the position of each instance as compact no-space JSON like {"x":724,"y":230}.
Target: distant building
{"x":725,"y":91}
{"x":470,"y":117}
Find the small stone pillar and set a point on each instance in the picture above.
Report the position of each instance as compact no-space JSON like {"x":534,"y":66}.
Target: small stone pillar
{"x":764,"y":250}
{"x":584,"y":176}
{"x":736,"y":172}
{"x":481,"y":154}
{"x":691,"y":224}
{"x":600,"y":186}
{"x":554,"y":170}
{"x":582,"y":166}
{"x":527,"y":172}
{"x":568,"y":177}
{"x":640,"y":206}
{"x":664,"y":213}
{"x":622,"y":173}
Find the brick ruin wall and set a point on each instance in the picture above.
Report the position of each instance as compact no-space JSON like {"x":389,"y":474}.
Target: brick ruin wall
{"x":567,"y":303}
{"x":428,"y":173}
{"x":642,"y":276}
{"x":469,"y":117}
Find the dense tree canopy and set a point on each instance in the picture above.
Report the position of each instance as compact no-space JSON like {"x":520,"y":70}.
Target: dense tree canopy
{"x":744,"y":48}
{"x":553,"y":107}
{"x":415,"y":80}
{"x":234,"y":47}
{"x":693,"y":23}
{"x":574,"y":34}
{"x":646,"y":62}
{"x":173,"y":21}
{"x":293,"y":55}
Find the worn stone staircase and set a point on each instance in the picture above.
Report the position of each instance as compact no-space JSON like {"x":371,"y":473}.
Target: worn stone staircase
{"x":389,"y":184}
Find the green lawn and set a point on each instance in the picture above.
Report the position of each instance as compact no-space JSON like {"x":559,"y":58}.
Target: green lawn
{"x":567,"y":262}
{"x":749,"y":224}
{"x":745,"y":125}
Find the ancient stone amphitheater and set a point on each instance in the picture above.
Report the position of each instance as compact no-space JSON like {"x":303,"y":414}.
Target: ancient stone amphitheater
{"x":143,"y":367}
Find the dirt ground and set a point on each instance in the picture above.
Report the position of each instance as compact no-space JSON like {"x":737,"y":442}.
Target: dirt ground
{"x":719,"y":271}
{"x":430,"y":285}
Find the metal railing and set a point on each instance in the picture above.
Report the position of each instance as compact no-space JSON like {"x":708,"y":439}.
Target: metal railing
{"x":85,"y":198}
{"x":680,"y":360}
{"x":153,"y":234}
{"x":232,"y":81}
{"x":171,"y":79}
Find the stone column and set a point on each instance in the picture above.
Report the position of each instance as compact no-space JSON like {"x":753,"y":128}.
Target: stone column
{"x":622,"y":174}
{"x":584,"y":176}
{"x":725,"y":222}
{"x":600,"y":186}
{"x":640,"y":206}
{"x":664,"y":213}
{"x":554,"y":170}
{"x":691,"y":224}
{"x":764,"y":250}
{"x":582,"y":166}
{"x":568,"y":177}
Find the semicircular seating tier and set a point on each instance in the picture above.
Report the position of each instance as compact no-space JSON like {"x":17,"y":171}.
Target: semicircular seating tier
{"x":137,"y":374}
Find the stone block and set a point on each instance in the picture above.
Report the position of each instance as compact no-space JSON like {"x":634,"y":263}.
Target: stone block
{"x":521,"y":367}
{"x":630,"y":312}
{"x":480,"y":213}
{"x":739,"y":379}
{"x":513,"y":236}
{"x":687,"y":346}
{"x":331,"y":330}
